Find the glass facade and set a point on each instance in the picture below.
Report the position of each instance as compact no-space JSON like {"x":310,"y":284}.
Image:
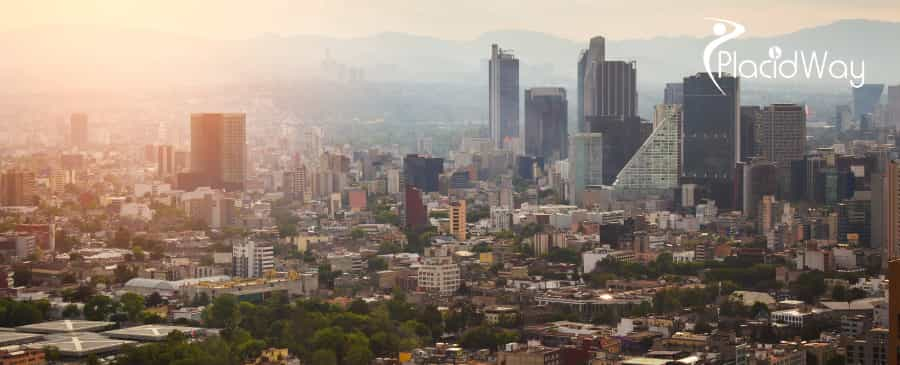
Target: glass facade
{"x":657,"y":164}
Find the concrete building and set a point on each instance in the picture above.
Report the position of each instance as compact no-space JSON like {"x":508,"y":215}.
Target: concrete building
{"x":439,"y":275}
{"x":17,"y":188}
{"x":782,"y":133}
{"x":251,"y":259}
{"x":457,"y":215}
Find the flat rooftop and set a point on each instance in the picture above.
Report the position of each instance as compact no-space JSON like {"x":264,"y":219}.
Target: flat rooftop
{"x":65,"y":326}
{"x":80,"y":344}
{"x":152,"y":332}
{"x":18,"y":338}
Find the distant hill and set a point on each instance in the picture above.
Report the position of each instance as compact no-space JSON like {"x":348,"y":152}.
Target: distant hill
{"x":76,"y":57}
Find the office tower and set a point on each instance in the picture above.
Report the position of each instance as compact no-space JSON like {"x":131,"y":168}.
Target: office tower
{"x":782,"y":133}
{"x":622,"y":136}
{"x":674,"y":93}
{"x":78,"y":130}
{"x":711,"y":144}
{"x":423,"y":172}
{"x":656,"y":166}
{"x":546,"y":123}
{"x":892,"y":219}
{"x":165,"y":160}
{"x":759,"y":180}
{"x":458,"y":219}
{"x":219,"y":149}
{"x":503,"y":95}
{"x":611,"y":89}
{"x":210,"y":206}
{"x":749,"y":130}
{"x":595,"y":53}
{"x":414,"y":215}
{"x":17,"y":188}
{"x":842,"y":117}
{"x":252,"y":259}
{"x":893,"y":106}
{"x":393,"y":181}
{"x":893,"y":350}
{"x":585,"y":163}
{"x":294,"y":184}
{"x":865,"y":99}
{"x":854,"y":218}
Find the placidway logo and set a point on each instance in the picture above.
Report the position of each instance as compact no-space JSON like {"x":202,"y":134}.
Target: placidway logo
{"x":811,"y":65}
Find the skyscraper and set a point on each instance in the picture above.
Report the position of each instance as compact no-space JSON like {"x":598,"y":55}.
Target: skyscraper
{"x":165,"y":160}
{"x":865,"y":98}
{"x":503,"y":95}
{"x":749,"y":129}
{"x":782,"y":133}
{"x":414,"y":213}
{"x":585,"y":163}
{"x":546,"y":123}
{"x":892,"y":213}
{"x":595,"y":53}
{"x":656,"y":166}
{"x":711,"y":143}
{"x":610,"y":106}
{"x":621,"y":136}
{"x":423,"y":172}
{"x":17,"y":188}
{"x":674,"y":93}
{"x":893,"y":106}
{"x":78,"y":129}
{"x":219,"y":149}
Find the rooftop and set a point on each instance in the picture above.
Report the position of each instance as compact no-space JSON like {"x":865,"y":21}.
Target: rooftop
{"x":151,"y":332}
{"x":65,"y":326}
{"x":78,"y":344}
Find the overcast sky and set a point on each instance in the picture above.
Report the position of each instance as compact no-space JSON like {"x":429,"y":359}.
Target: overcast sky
{"x":449,"y":19}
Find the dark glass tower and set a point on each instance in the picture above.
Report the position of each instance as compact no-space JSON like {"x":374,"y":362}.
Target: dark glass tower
{"x":546,"y":123}
{"x":711,"y":141}
{"x":503,"y":84}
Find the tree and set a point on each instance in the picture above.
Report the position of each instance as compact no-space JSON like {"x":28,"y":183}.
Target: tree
{"x":358,"y":354}
{"x":377,"y":264}
{"x":71,"y":311}
{"x":22,"y":276}
{"x":357,"y":234}
{"x":138,"y":253}
{"x":99,"y":307}
{"x":133,"y":304}
{"x":123,"y":273}
{"x":323,"y":357}
{"x":359,"y":306}
{"x":809,"y":286}
{"x":154,"y":300}
{"x":224,"y":312}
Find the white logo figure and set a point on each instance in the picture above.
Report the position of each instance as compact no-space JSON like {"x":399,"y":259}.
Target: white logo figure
{"x":720,"y":29}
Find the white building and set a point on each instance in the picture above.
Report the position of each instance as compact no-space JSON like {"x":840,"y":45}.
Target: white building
{"x":439,"y":275}
{"x":251,"y":259}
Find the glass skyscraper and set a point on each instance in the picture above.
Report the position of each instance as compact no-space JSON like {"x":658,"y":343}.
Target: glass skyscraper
{"x":656,"y":165}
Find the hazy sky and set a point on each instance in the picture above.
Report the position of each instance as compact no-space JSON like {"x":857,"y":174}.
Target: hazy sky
{"x":450,"y":19}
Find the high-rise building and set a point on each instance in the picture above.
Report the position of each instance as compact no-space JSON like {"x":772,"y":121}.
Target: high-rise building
{"x":219,"y":149}
{"x":78,"y":130}
{"x":865,"y":99}
{"x":414,"y":216}
{"x":622,"y":136}
{"x":17,"y":188}
{"x":503,"y":95}
{"x":609,"y":88}
{"x":458,"y":219}
{"x":546,"y":123}
{"x":782,"y":133}
{"x":294,"y":184}
{"x":711,"y":143}
{"x":892,"y":213}
{"x":595,"y":53}
{"x":656,"y":166}
{"x":585,"y":163}
{"x":165,"y":160}
{"x":893,"y":105}
{"x":893,"y":350}
{"x":759,"y":180}
{"x":252,"y":259}
{"x":749,"y":129}
{"x":423,"y":172}
{"x":674,"y":93}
